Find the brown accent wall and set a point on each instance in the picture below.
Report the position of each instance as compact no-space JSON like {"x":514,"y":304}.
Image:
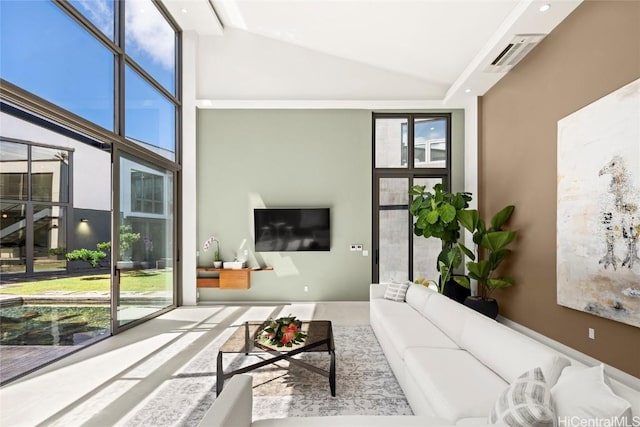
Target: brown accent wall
{"x":593,"y":52}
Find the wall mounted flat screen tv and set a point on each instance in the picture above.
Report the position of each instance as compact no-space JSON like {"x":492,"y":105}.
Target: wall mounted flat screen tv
{"x":286,"y":230}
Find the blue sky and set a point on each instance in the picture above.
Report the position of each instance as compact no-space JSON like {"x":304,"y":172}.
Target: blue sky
{"x":47,"y":53}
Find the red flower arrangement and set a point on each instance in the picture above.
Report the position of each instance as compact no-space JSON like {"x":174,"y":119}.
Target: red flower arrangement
{"x":283,"y":332}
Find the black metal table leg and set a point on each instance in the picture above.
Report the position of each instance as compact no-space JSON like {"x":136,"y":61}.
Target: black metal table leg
{"x":332,"y":373}
{"x":219,"y":375}
{"x":247,"y":342}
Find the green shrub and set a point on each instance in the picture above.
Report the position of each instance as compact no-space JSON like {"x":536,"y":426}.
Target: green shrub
{"x":61,"y":250}
{"x":86,"y":255}
{"x":104,"y":246}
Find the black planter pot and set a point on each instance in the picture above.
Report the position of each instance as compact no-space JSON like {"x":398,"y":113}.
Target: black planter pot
{"x":456,"y":291}
{"x":488,"y":307}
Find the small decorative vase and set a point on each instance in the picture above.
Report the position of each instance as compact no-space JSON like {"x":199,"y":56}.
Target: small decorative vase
{"x":217,"y":264}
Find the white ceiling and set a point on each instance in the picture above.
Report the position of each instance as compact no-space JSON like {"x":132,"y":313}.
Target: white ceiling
{"x":416,"y":53}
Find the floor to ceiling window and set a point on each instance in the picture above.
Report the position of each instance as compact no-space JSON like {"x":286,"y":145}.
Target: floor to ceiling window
{"x":55,"y":198}
{"x":87,"y":88}
{"x":409,"y":149}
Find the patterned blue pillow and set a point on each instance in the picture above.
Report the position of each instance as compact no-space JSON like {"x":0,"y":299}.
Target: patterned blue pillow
{"x":526,"y":402}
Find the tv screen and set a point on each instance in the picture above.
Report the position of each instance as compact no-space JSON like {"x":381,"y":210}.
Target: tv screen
{"x":283,"y":230}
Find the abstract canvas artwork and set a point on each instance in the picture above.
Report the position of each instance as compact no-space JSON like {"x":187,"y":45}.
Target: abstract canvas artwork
{"x":598,"y":223}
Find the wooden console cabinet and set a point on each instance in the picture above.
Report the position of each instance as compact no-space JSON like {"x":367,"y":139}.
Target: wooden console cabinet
{"x":226,"y":278}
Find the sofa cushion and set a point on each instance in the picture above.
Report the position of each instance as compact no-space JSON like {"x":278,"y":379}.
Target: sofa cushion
{"x":473,"y":421}
{"x":355,"y":421}
{"x":454,"y":383}
{"x":447,"y":314}
{"x":384,"y":309}
{"x":376,"y":290}
{"x":232,"y":408}
{"x":405,"y":327}
{"x":584,"y":394}
{"x":396,"y":291}
{"x":417,"y":296}
{"x":420,"y":334}
{"x":508,"y":352}
{"x":525,"y":403}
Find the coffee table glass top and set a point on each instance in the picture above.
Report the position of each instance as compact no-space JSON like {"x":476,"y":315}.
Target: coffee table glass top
{"x":243,"y":340}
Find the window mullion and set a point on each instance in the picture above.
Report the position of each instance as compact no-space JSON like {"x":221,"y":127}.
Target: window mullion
{"x":410,"y":233}
{"x":410,"y":143}
{"x":149,"y":78}
{"x":119,"y":73}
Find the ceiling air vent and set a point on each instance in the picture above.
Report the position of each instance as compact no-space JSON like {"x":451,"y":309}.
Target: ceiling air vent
{"x":517,"y":48}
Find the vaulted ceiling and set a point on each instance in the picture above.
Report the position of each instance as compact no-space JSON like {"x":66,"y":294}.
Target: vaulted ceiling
{"x":384,"y":53}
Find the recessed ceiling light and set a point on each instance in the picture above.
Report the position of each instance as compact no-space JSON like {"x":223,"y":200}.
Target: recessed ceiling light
{"x":467,"y":91}
{"x":183,"y":10}
{"x":545,"y":7}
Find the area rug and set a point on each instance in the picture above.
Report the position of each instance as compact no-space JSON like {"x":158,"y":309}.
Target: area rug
{"x":365,"y":385}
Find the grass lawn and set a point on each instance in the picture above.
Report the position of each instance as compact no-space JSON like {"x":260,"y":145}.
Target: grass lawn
{"x":139,"y":281}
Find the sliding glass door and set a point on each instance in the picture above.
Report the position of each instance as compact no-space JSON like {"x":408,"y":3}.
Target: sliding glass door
{"x":144,"y":241}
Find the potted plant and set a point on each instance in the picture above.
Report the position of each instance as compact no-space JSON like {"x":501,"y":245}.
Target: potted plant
{"x":212,"y":240}
{"x":436,"y":216}
{"x":127,"y":238}
{"x":491,"y":248}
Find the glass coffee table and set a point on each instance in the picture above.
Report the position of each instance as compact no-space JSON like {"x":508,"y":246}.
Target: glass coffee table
{"x":319,"y":339}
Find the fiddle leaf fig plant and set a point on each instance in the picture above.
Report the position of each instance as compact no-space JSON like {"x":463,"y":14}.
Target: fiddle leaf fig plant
{"x":436,"y":216}
{"x":491,"y":245}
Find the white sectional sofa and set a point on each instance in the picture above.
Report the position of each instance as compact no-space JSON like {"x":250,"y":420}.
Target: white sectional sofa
{"x":453,"y":364}
{"x":450,"y":360}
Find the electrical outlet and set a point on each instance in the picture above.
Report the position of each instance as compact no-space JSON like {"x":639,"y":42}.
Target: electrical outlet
{"x":356,"y":247}
{"x":306,"y":289}
{"x":592,"y":333}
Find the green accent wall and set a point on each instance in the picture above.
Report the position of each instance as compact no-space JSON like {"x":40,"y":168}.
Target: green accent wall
{"x":291,"y":158}
{"x":287,"y":158}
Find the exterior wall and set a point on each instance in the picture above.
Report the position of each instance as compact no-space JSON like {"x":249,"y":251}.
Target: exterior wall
{"x":94,"y":193}
{"x":88,"y":234}
{"x":595,"y":51}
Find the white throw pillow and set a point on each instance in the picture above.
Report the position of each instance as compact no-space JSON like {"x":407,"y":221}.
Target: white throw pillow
{"x":396,"y":291}
{"x":584,"y":395}
{"x":526,"y":402}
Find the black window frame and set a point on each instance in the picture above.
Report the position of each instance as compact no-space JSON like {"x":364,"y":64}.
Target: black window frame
{"x":20,"y":102}
{"x":141,"y":199}
{"x":29,"y":202}
{"x":410,"y":172}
